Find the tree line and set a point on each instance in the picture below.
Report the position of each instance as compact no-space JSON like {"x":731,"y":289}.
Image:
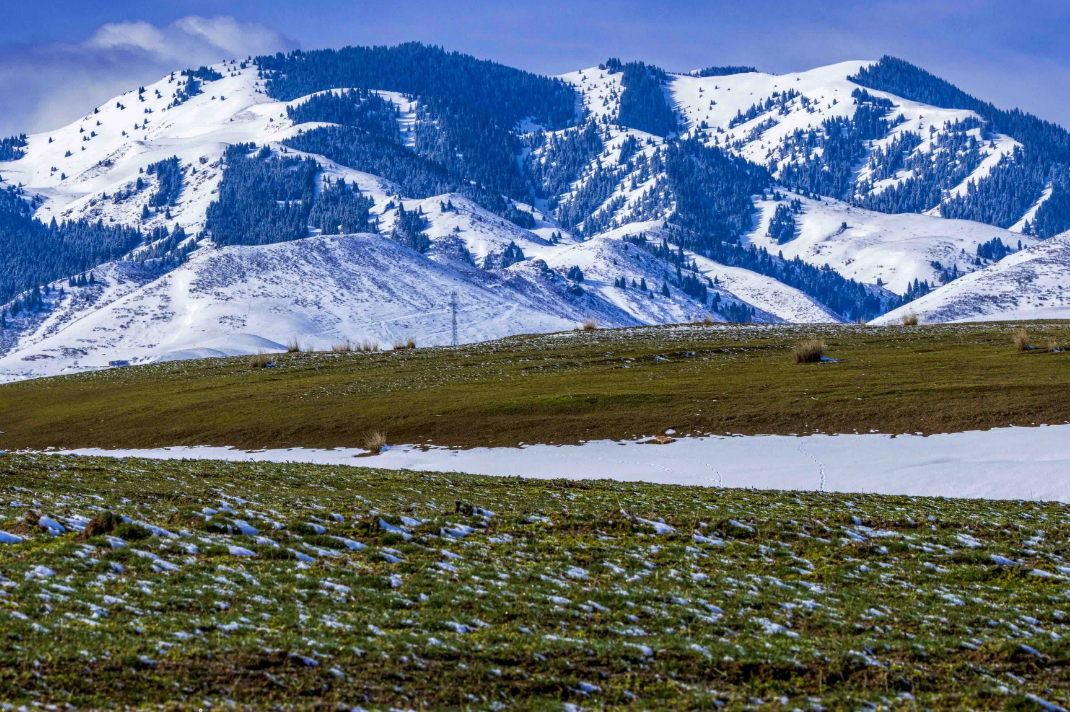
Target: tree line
{"x":1019,"y":180}
{"x":643,"y":105}
{"x":262,"y":198}
{"x":34,"y":254}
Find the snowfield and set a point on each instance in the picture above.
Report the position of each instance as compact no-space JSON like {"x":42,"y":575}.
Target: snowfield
{"x":1003,"y":463}
{"x":323,"y":290}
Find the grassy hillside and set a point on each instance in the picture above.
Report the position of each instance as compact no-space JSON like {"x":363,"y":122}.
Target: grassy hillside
{"x":326,"y":587}
{"x":563,"y":388}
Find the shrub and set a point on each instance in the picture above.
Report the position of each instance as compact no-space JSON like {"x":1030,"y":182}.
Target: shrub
{"x":590,"y":325}
{"x":104,"y":524}
{"x":122,"y":555}
{"x":260,"y":360}
{"x":132,"y":532}
{"x":275,"y":553}
{"x":324,"y":541}
{"x":374,"y":442}
{"x":1021,"y":340}
{"x":342,"y":347}
{"x":910,"y":319}
{"x":811,"y":351}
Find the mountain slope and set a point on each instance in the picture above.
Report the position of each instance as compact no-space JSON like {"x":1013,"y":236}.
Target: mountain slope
{"x":895,"y":249}
{"x":885,"y":135}
{"x":323,"y":290}
{"x":1030,"y":284}
{"x":621,"y":194}
{"x":318,"y":291}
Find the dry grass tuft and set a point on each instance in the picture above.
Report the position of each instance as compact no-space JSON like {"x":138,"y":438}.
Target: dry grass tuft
{"x":1053,"y":346}
{"x":292,"y":347}
{"x":1021,"y":340}
{"x":707,"y":320}
{"x":910,"y":319}
{"x":402,"y":345}
{"x":590,"y":325}
{"x":342,"y":347}
{"x":260,"y":360}
{"x":811,"y":351}
{"x":375,"y":441}
{"x":367,"y":347}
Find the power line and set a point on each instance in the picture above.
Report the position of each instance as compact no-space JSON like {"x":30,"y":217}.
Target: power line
{"x":453,"y":310}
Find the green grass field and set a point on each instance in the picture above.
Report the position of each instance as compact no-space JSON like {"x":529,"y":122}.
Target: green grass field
{"x":188,"y":584}
{"x":316,"y":587}
{"x":563,"y":388}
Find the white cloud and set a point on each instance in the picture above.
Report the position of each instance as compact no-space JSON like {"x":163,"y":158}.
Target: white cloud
{"x":47,"y":86}
{"x":129,"y":36}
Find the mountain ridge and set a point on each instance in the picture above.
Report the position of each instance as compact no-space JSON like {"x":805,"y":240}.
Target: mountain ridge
{"x":487,"y":175}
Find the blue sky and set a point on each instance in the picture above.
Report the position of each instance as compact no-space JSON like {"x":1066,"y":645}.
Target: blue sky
{"x":56,"y":56}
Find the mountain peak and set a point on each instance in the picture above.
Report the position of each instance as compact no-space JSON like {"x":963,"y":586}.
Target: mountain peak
{"x":841,"y":192}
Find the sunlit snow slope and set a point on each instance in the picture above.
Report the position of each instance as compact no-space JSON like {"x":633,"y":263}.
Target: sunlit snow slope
{"x":895,"y":249}
{"x":1031,"y":284}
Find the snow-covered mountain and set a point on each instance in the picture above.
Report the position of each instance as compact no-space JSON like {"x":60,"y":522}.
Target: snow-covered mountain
{"x":619,"y":194}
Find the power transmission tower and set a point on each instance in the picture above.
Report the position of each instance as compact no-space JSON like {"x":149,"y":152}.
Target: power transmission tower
{"x":453,"y":310}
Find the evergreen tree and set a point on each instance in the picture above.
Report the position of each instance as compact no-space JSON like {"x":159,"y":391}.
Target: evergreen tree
{"x":11,"y":148}
{"x":33,"y":254}
{"x":556,"y":162}
{"x":262,"y":199}
{"x":782,"y":224}
{"x":409,"y":229}
{"x":712,"y":191}
{"x":723,"y":71}
{"x":510,"y":256}
{"x":417,"y":177}
{"x":503,"y":93}
{"x":643,"y":104}
{"x":1017,"y":183}
{"x":358,"y":108}
{"x":341,"y":209}
{"x":169,"y":174}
